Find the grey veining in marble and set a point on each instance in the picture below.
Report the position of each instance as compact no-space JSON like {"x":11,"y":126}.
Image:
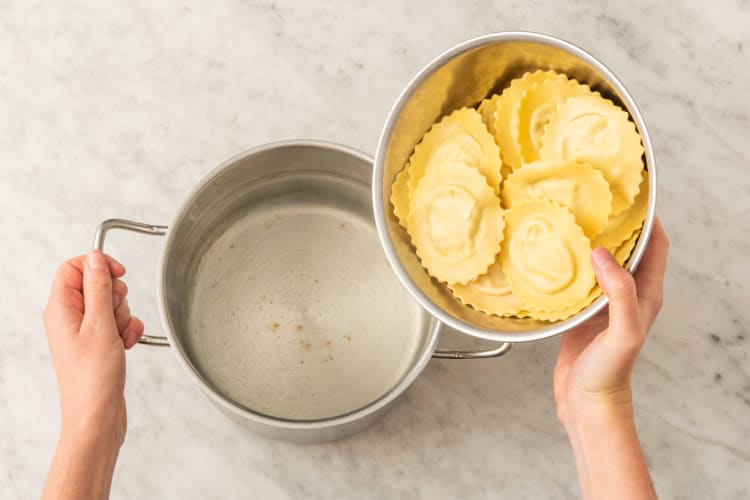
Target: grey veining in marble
{"x":117,"y":108}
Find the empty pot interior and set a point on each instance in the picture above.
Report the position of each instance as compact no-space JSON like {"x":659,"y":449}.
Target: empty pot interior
{"x":277,"y":291}
{"x":460,"y":79}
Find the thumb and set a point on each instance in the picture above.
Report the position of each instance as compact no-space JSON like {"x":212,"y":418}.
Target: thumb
{"x":97,"y":290}
{"x":625,"y":332}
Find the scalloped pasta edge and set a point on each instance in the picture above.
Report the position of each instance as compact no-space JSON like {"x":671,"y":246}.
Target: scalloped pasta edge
{"x":576,"y":228}
{"x":420,"y":146}
{"x":619,"y":110}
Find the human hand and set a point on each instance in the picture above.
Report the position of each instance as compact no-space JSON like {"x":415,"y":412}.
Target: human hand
{"x":89,"y":326}
{"x":593,"y":368}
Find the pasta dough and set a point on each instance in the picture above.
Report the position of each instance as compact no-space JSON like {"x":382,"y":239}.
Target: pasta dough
{"x":459,"y":137}
{"x":593,"y":130}
{"x":455,"y":222}
{"x":400,"y":196}
{"x":567,"y":312}
{"x":622,"y":254}
{"x":506,"y":115}
{"x":546,"y":255}
{"x":537,"y":104}
{"x":619,"y":227}
{"x":577,"y":186}
{"x":487,"y":112}
{"x":504,"y":203}
{"x":491,"y":293}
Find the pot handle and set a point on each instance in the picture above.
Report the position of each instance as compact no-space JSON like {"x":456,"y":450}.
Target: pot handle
{"x":138,"y":227}
{"x":479,"y":354}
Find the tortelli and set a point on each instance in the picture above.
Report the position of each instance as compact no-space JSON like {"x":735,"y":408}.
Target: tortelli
{"x":504,"y":203}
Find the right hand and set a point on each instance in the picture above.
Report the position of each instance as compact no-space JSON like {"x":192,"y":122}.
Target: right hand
{"x":596,"y":359}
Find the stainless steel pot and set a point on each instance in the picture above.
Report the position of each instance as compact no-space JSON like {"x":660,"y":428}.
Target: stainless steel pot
{"x":275,"y":295}
{"x":463,"y":76}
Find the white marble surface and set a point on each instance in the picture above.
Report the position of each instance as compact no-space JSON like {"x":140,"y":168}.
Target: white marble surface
{"x":117,"y":108}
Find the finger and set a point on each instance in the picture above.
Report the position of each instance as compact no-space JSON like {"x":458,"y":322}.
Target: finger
{"x":65,"y":307}
{"x":66,"y":297}
{"x":70,"y":275}
{"x":119,"y":292}
{"x":122,"y":316}
{"x":97,"y":292}
{"x":625,"y":330}
{"x":133,"y":332}
{"x":649,"y":277}
{"x":116,"y":269}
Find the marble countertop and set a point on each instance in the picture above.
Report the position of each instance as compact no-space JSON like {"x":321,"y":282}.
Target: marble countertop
{"x":116,"y":109}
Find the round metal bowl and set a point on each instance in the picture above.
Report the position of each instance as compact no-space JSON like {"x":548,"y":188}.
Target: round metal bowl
{"x":463,"y":76}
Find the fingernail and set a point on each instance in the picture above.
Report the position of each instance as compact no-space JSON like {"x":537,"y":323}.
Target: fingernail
{"x":96,"y":260}
{"x":601,"y":257}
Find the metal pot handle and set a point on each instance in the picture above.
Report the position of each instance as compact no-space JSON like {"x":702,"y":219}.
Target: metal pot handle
{"x":480,"y":354}
{"x":138,"y":227}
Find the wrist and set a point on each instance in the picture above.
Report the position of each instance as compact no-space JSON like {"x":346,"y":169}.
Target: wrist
{"x":84,"y":461}
{"x":104,"y":440}
{"x":584,"y":408}
{"x":104,"y":428}
{"x":607,"y":451}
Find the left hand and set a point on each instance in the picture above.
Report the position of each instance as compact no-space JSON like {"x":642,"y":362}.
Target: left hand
{"x":89,"y":326}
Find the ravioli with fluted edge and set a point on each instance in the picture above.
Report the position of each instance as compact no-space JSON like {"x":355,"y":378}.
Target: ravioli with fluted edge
{"x":619,"y":227}
{"x":487,"y":111}
{"x":537,"y":104}
{"x":491,"y":293}
{"x":505,"y":116}
{"x":455,"y":222}
{"x":545,"y":255}
{"x":594,"y":130}
{"x":504,"y":203}
{"x":462,"y":137}
{"x":577,"y":186}
{"x":569,"y":311}
{"x":400,"y":196}
{"x":622,"y":254}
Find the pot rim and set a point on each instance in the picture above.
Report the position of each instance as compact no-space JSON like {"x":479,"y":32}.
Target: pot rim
{"x":218,"y":398}
{"x":379,"y":206}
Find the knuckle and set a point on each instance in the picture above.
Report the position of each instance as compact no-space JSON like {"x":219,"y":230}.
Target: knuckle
{"x":561,"y":412}
{"x":98,"y":279}
{"x":634,"y":343}
{"x":63,"y":267}
{"x":123,"y":310}
{"x":622,"y":286}
{"x":97,"y":287}
{"x":120,"y":287}
{"x":100,"y":322}
{"x":653,"y":298}
{"x":661,"y":238}
{"x":658,"y":302}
